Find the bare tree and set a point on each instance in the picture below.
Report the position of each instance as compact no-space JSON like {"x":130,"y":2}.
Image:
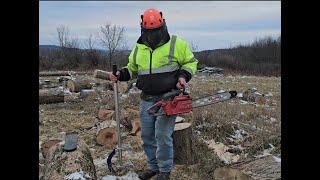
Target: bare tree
{"x":69,"y":47}
{"x":91,"y":51}
{"x":112,"y":38}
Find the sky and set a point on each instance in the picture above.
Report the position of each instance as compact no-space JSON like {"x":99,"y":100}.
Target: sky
{"x":207,"y":24}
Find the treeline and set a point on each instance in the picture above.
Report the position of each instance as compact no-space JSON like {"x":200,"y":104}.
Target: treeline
{"x":51,"y":59}
{"x":262,"y":57}
{"x":73,"y":54}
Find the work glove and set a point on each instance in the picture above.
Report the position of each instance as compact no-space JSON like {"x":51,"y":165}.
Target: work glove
{"x":114,"y":78}
{"x":181,"y":82}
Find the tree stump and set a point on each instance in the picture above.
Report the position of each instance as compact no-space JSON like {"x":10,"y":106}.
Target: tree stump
{"x":258,"y":168}
{"x":78,"y":85}
{"x":107,"y":134}
{"x":183,"y":144}
{"x":60,"y":164}
{"x":50,"y":96}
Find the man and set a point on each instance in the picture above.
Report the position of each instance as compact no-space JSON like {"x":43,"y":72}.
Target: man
{"x":161,"y":62}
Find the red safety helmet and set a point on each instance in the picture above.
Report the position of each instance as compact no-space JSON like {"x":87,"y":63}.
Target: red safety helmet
{"x":151,"y":19}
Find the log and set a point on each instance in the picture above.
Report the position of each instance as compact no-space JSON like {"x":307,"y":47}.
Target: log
{"x":54,"y":73}
{"x":183,"y":144}
{"x":87,"y":92}
{"x":60,"y":164}
{"x":50,"y":96}
{"x":136,"y":127}
{"x":265,"y":167}
{"x":252,"y":95}
{"x":101,"y":74}
{"x":106,"y":134}
{"x":105,"y":114}
{"x":78,"y":85}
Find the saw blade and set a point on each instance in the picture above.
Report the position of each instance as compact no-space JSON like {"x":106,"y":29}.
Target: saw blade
{"x":216,"y":98}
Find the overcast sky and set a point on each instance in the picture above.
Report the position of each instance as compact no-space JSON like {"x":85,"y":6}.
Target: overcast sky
{"x":209,"y":24}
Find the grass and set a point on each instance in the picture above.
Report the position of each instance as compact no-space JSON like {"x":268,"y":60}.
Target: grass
{"x":218,"y":122}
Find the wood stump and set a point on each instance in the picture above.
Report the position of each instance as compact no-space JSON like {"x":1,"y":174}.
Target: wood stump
{"x":258,"y":168}
{"x":50,"y":96}
{"x":60,"y":164}
{"x":107,"y":134}
{"x":183,"y":144}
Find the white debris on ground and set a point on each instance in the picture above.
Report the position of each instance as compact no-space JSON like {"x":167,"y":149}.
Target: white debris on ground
{"x":241,"y":113}
{"x":239,"y":95}
{"x":77,"y":176}
{"x":269,"y":94}
{"x":273,"y":120}
{"x":243,"y":102}
{"x":221,"y":91}
{"x":266,"y":152}
{"x":222,"y":152}
{"x":239,"y":134}
{"x":129,"y":176}
{"x":277,"y":159}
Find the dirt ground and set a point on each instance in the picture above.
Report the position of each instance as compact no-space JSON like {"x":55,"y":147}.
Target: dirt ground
{"x":245,"y":128}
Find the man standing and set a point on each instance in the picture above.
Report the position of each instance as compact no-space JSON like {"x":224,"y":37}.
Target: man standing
{"x":161,"y":62}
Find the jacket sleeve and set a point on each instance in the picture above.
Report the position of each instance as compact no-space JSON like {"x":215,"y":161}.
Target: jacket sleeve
{"x":131,"y":70}
{"x":188,"y":62}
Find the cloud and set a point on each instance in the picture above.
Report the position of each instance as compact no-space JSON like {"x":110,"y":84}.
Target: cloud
{"x":192,"y":19}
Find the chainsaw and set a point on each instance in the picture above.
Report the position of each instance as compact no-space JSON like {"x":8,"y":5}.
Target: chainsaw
{"x":179,"y":102}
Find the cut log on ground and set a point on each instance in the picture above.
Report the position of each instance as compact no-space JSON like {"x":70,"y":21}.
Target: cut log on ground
{"x":56,"y":73}
{"x":100,"y":74}
{"x":105,"y":114}
{"x":78,"y":85}
{"x":136,"y":127}
{"x":107,"y":134}
{"x":50,"y":96}
{"x":183,"y":144}
{"x":265,"y":167}
{"x":60,"y":164}
{"x":47,"y":145}
{"x":252,"y":95}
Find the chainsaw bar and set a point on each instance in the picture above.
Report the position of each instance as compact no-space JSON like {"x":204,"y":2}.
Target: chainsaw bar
{"x":216,"y":98}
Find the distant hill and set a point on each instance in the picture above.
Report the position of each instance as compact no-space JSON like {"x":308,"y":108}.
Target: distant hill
{"x":43,"y":48}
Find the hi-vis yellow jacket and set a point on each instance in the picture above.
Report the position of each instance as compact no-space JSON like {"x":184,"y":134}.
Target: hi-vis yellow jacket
{"x":158,"y":70}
